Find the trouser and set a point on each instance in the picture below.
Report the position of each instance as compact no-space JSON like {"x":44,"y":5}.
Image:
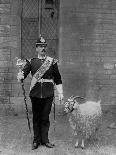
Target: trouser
{"x":41,"y":108}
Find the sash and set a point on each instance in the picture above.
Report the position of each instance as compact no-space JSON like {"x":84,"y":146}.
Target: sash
{"x":41,"y":71}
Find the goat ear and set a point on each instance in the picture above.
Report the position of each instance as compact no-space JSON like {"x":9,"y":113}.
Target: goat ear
{"x":71,"y":97}
{"x":75,"y":106}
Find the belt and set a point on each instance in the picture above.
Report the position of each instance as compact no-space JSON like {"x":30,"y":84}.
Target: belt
{"x":45,"y":80}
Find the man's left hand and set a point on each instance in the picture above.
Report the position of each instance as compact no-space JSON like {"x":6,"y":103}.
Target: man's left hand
{"x":61,"y":97}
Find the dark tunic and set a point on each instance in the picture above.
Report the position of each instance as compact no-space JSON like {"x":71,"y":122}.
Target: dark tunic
{"x":46,"y":89}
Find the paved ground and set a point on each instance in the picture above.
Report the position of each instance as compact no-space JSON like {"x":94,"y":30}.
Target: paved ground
{"x":15,"y":138}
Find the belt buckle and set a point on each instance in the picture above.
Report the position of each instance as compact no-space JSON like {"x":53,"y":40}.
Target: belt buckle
{"x":42,"y":80}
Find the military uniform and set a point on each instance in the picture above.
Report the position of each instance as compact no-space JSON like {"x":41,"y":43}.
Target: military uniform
{"x":45,"y":74}
{"x":41,"y":96}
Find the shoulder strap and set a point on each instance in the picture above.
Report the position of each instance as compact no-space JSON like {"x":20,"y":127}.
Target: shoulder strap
{"x":55,"y":61}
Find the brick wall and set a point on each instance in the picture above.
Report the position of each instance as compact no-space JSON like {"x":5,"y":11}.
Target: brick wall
{"x":10,"y":31}
{"x":87,"y":48}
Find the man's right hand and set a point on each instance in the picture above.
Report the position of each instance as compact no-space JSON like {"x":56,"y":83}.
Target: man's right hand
{"x":20,"y":76}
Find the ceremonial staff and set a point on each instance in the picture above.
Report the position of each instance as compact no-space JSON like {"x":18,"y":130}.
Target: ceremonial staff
{"x":21,"y":63}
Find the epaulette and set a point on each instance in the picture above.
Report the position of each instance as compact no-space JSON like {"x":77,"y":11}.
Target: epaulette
{"x":55,"y":61}
{"x":28,"y":60}
{"x":31,"y":59}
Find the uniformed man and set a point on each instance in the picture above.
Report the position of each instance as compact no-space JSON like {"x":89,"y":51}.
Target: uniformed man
{"x":45,"y":74}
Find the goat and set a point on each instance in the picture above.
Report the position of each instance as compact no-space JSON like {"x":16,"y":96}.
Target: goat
{"x":84,"y":118}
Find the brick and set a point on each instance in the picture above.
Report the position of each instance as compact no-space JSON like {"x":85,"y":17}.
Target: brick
{"x":4,"y":69}
{"x":112,"y":77}
{"x":4,"y":100}
{"x":13,"y":69}
{"x":5,"y":50}
{"x":6,"y":76}
{"x":8,"y":41}
{"x":109,"y":66}
{"x":4,"y":1}
{"x":8,"y":30}
{"x":5,"y":54}
{"x":4,"y":30}
{"x":109,"y":59}
{"x":9,"y":20}
{"x":14,"y":30}
{"x":5,"y":86}
{"x":16,"y":7}
{"x":5,"y":57}
{"x":4,"y":8}
{"x":5,"y":64}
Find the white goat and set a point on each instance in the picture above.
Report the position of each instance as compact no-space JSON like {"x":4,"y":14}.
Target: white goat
{"x":84,"y":118}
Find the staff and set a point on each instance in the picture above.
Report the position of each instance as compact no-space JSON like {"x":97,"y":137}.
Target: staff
{"x":20,"y":63}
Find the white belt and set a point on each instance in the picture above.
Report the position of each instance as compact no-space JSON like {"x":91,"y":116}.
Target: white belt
{"x":45,"y":80}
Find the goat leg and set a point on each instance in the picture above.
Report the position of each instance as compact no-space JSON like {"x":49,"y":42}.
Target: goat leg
{"x":77,"y":143}
{"x":82,"y":144}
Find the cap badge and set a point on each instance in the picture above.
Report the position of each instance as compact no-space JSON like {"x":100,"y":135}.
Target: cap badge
{"x":42,"y":40}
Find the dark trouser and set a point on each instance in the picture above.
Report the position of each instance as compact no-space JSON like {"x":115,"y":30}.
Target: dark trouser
{"x":41,"y":108}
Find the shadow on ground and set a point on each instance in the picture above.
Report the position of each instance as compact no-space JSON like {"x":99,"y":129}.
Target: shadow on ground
{"x":15,"y":138}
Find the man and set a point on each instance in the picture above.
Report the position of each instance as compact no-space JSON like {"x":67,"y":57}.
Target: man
{"x":45,"y":74}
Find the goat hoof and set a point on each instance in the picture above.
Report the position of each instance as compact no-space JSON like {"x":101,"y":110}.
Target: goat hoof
{"x":82,"y":147}
{"x":96,"y":139}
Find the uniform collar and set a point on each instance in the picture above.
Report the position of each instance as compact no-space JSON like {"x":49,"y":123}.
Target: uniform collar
{"x":40,"y":57}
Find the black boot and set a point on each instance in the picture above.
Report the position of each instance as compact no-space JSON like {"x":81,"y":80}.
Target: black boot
{"x":35,"y":145}
{"x":49,"y":145}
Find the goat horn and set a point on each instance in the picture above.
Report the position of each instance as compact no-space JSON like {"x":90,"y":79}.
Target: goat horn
{"x":78,"y":97}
